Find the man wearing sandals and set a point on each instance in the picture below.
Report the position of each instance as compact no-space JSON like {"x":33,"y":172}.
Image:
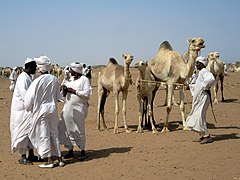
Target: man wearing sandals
{"x":19,"y":119}
{"x":196,"y":120}
{"x":41,"y":100}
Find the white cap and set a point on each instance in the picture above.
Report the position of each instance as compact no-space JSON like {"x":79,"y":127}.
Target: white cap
{"x":43,"y":63}
{"x":76,"y":67}
{"x":28,"y":60}
{"x":202,"y":60}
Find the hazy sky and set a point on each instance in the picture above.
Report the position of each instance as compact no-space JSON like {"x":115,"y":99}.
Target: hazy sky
{"x":92,"y":31}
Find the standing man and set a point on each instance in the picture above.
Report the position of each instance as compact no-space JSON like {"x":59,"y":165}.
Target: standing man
{"x":13,"y":77}
{"x":75,"y":110}
{"x":196,"y":120}
{"x":19,"y":118}
{"x":41,"y":100}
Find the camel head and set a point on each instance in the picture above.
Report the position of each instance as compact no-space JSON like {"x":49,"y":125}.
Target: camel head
{"x":127,"y":58}
{"x":196,"y":44}
{"x":141,"y":65}
{"x":213,"y":56}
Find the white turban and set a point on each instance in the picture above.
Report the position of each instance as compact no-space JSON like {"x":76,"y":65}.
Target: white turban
{"x":76,"y":67}
{"x":28,"y":60}
{"x":43,"y":63}
{"x":202,"y":60}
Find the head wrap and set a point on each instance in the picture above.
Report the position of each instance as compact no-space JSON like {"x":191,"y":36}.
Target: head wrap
{"x":28,"y":60}
{"x":76,"y":67}
{"x":43,"y":64}
{"x":203,"y":60}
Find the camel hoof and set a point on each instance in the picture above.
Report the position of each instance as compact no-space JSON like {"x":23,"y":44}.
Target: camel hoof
{"x":215,"y":101}
{"x":154,"y":131}
{"x":128,"y":131}
{"x":139,"y":130}
{"x":186,"y":128}
{"x":115,"y":131}
{"x":165,"y":130}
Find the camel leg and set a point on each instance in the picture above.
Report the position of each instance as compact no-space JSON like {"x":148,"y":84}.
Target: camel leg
{"x":173,"y":99}
{"x":182,"y":106}
{"x":116,"y":98}
{"x":154,"y":130}
{"x":100,"y":94}
{"x":169,"y":108}
{"x":215,"y":90}
{"x":221,"y":80}
{"x":124,"y":99}
{"x":140,"y":113}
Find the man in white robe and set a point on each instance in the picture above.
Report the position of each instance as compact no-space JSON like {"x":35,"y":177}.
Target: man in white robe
{"x":13,"y":77}
{"x":19,"y":118}
{"x":74,"y":113}
{"x":196,"y":120}
{"x":41,"y":100}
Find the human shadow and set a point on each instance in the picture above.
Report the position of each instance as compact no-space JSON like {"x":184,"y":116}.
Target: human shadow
{"x":213,"y":126}
{"x":222,"y":137}
{"x":97,"y":154}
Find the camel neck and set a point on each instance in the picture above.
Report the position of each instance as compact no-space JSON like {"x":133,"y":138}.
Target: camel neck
{"x":126,"y":72}
{"x":192,"y":55}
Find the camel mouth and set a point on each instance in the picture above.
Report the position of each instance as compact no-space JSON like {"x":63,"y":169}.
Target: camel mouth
{"x":136,"y":66}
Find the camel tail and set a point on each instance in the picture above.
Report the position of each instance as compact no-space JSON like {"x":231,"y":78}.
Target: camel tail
{"x":165,"y":46}
{"x":103,"y":101}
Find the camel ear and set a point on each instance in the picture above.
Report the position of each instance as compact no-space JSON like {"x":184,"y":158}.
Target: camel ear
{"x":123,"y":55}
{"x":189,"y":40}
{"x":146,"y":62}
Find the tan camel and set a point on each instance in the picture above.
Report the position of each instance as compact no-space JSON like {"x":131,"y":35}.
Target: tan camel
{"x":168,"y":66}
{"x":58,"y":72}
{"x":115,"y":78}
{"x":145,"y":92}
{"x":6,"y":71}
{"x":216,"y":67}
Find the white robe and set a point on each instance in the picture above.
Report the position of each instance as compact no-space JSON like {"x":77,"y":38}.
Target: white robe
{"x":74,"y":113}
{"x":13,"y":77}
{"x":19,"y":118}
{"x":41,"y":99}
{"x":196,"y":120}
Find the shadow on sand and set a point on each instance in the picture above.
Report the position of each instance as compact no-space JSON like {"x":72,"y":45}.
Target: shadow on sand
{"x":96,"y":154}
{"x":222,"y":137}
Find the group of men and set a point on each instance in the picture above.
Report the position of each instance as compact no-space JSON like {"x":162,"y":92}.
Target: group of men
{"x":34,"y":121}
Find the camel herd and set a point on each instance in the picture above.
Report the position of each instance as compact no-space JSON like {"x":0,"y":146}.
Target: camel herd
{"x":168,"y":67}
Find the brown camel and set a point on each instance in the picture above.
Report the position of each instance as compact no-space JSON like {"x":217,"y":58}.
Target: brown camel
{"x":216,"y":67}
{"x":146,"y":91}
{"x":115,"y":78}
{"x":168,"y":66}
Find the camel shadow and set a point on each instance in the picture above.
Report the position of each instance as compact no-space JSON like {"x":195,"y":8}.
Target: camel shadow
{"x":222,"y":137}
{"x":97,"y":154}
{"x":230,"y":101}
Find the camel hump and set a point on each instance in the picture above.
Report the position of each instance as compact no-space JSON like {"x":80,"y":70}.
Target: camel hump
{"x":165,"y":46}
{"x":113,"y":61}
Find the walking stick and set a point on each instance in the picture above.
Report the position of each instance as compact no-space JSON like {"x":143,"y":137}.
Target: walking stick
{"x":209,"y":93}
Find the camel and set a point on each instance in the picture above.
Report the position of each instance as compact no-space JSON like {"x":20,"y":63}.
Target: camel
{"x":6,"y":71}
{"x":58,"y":72}
{"x":216,"y":67}
{"x":145,"y":95}
{"x":169,"y":66}
{"x":115,"y":78}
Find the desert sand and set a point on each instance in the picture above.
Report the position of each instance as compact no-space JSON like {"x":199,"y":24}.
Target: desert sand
{"x":171,"y":155}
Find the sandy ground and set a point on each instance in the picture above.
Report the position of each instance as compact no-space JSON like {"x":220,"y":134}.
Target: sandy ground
{"x":171,"y":155}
